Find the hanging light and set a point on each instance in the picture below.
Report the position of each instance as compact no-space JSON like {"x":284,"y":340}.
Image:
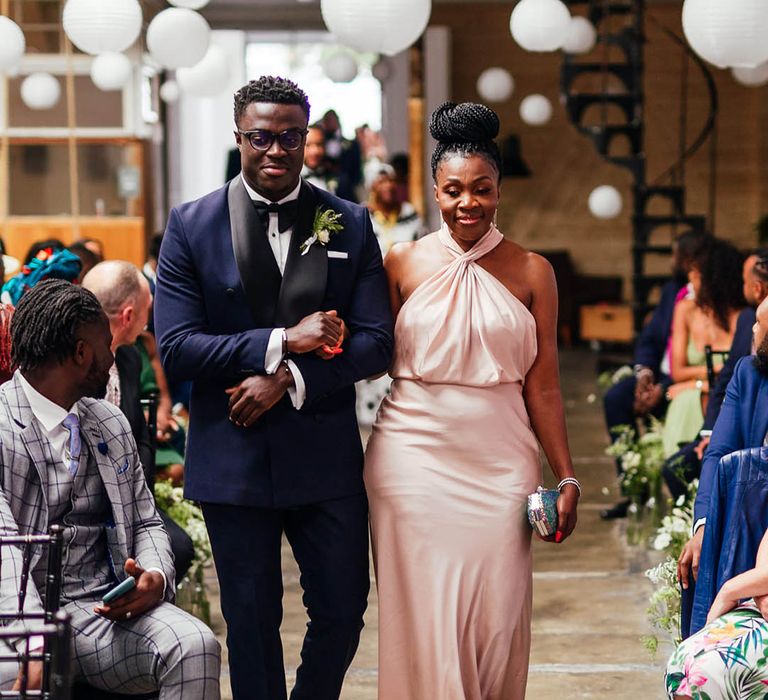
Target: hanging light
{"x":207,"y":78}
{"x":40,"y":91}
{"x":732,"y":33}
{"x":170,"y":91}
{"x":111,"y":71}
{"x":495,"y":84}
{"x":340,"y":67}
{"x":540,"y":25}
{"x":190,"y":4}
{"x":178,"y":38}
{"x":751,"y":77}
{"x":581,"y":37}
{"x":535,"y":110}
{"x":378,"y":26}
{"x":12,"y":44}
{"x":605,"y":202}
{"x":97,"y":26}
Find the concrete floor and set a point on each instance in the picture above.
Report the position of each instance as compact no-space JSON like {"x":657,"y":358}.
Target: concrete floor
{"x":589,"y":593}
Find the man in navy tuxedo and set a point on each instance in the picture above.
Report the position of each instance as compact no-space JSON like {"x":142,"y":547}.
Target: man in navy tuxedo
{"x":253,"y":298}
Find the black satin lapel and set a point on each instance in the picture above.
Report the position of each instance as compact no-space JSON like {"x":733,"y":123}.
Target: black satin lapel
{"x":305,"y":276}
{"x":259,"y":273}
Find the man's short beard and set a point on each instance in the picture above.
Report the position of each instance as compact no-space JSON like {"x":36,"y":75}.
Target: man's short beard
{"x":760,"y":360}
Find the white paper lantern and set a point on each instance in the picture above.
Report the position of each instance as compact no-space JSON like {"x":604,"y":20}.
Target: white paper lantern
{"x":732,"y":33}
{"x":752,"y":77}
{"x":178,"y":38}
{"x":536,"y":110}
{"x":495,"y":84}
{"x":581,"y":37}
{"x":12,"y":44}
{"x":605,"y":202}
{"x":340,"y":67}
{"x":379,"y":26}
{"x":382,"y":69}
{"x":170,"y":91}
{"x":40,"y":91}
{"x":111,"y":71}
{"x":97,"y":26}
{"x":190,"y":4}
{"x":540,"y":25}
{"x":209,"y":77}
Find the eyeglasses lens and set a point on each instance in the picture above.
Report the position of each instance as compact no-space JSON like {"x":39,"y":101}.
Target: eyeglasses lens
{"x":262,"y":140}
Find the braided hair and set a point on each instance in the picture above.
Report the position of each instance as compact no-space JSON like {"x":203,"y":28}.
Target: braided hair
{"x":46,"y":322}
{"x":465,"y":129}
{"x":272,"y":90}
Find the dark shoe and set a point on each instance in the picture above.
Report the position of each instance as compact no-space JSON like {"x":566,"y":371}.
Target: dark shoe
{"x":616,"y":511}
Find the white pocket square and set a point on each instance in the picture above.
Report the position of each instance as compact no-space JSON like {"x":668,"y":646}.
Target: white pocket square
{"x":338,"y":254}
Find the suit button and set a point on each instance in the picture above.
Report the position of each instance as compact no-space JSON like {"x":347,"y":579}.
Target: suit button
{"x":230,"y":292}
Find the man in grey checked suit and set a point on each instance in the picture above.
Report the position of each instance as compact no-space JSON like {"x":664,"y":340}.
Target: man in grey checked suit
{"x":67,"y":458}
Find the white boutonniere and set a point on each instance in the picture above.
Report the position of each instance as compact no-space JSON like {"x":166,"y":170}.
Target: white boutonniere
{"x":326,"y":223}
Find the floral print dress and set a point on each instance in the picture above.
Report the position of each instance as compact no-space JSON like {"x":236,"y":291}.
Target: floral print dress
{"x":727,"y":660}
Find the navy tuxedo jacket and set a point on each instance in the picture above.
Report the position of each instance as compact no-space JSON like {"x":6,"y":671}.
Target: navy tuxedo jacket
{"x":219,"y":296}
{"x":652,"y":342}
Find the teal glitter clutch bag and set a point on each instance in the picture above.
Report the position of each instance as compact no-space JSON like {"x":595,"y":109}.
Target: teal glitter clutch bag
{"x":542,"y":511}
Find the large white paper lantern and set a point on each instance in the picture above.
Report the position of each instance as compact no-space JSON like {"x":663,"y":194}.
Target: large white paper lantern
{"x":170,"y":91}
{"x":605,"y":202}
{"x":178,"y":38}
{"x":752,"y":77}
{"x":495,"y":84}
{"x":190,"y":4}
{"x":581,"y":37}
{"x":536,"y":110}
{"x":97,"y":26}
{"x":340,"y":67}
{"x":209,"y":77}
{"x":378,"y":26}
{"x":12,"y":44}
{"x":40,"y":91}
{"x":540,"y":25}
{"x":727,"y":33}
{"x":111,"y":71}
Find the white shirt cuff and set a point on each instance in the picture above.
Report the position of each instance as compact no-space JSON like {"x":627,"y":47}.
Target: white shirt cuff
{"x":274,"y":354}
{"x":297,"y":392}
{"x":165,"y":580}
{"x":699,"y":523}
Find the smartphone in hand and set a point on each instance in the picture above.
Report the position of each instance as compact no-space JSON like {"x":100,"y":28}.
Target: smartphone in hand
{"x":119,"y":590}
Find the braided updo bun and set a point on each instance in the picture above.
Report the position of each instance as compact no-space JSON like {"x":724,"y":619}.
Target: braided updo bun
{"x":465,"y":129}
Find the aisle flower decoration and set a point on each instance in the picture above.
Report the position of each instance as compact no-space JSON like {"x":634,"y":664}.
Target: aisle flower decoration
{"x":641,"y":457}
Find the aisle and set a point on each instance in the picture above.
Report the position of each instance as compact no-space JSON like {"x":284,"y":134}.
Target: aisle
{"x":589,"y":593}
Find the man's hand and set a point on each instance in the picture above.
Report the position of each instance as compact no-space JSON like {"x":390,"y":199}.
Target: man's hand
{"x":699,"y":449}
{"x":647,"y":394}
{"x":328,"y":353}
{"x":314,"y":331}
{"x":689,"y":558}
{"x":147,"y":594}
{"x":254,"y":396}
{"x":34,"y":677}
{"x":166,"y":424}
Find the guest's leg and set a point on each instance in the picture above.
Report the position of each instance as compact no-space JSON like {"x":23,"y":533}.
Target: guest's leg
{"x":164,"y":649}
{"x":618,"y":406}
{"x":330,"y":543}
{"x":246,"y":549}
{"x":181,"y":546}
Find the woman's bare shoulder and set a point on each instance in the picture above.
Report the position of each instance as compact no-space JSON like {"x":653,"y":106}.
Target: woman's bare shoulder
{"x":403,"y":251}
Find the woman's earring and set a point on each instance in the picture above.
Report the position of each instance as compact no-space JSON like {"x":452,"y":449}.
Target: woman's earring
{"x":495,"y":218}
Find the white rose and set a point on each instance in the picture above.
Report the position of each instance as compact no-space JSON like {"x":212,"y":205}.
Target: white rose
{"x":662,"y":541}
{"x":323,"y":236}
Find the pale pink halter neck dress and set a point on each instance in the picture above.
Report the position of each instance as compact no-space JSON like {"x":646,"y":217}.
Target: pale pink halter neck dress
{"x":449,"y":465}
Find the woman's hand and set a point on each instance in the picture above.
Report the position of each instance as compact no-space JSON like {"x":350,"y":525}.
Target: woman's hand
{"x":723,"y":603}
{"x":566,"y":514}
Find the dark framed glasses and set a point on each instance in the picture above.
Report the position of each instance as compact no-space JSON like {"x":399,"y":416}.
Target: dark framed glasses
{"x":262,"y":139}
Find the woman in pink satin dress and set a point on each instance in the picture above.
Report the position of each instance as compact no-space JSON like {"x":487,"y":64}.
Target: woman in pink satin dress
{"x":454,"y":451}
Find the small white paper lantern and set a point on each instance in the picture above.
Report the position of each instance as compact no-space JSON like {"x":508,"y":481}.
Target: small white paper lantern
{"x":605,"y":202}
{"x":111,"y":71}
{"x":732,"y":33}
{"x":751,"y":77}
{"x":340,"y":67}
{"x":536,"y":110}
{"x":12,"y":44}
{"x":209,"y":77}
{"x":97,"y":26}
{"x":40,"y":91}
{"x":170,"y":91}
{"x":178,"y":38}
{"x":495,"y":84}
{"x":378,"y":26}
{"x":581,"y":37}
{"x":540,"y":25}
{"x":190,"y":4}
{"x":382,"y":69}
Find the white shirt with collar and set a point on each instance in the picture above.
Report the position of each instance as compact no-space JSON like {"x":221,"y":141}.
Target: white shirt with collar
{"x":280,"y":243}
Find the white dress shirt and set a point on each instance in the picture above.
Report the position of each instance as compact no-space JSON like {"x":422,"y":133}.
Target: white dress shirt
{"x":280,"y":243}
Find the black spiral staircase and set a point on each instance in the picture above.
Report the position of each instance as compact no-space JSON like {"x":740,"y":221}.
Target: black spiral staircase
{"x":613,"y":87}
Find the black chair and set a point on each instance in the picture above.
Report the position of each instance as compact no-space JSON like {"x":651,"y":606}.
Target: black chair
{"x":49,"y":623}
{"x":150,"y":406}
{"x":710,"y":356}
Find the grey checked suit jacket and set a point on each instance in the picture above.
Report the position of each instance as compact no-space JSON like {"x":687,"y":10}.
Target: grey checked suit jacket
{"x":25,"y":457}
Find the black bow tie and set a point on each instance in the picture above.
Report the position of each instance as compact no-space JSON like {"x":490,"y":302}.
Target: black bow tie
{"x":286,"y":213}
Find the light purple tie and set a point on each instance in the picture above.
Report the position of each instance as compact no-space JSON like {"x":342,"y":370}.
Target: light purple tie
{"x":72,"y":424}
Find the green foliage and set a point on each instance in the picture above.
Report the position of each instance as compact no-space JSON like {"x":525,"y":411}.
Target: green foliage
{"x":641,"y":457}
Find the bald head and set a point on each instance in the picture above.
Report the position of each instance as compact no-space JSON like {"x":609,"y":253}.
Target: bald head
{"x":124,"y":294}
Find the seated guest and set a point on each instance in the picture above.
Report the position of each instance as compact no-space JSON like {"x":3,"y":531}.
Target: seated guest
{"x":88,"y":259}
{"x":394,"y":221}
{"x":49,"y":245}
{"x":123,"y":293}
{"x":69,"y":458}
{"x":48,"y":264}
{"x":685,"y":465}
{"x":643,"y":393}
{"x":92,"y":244}
{"x":707,"y":319}
{"x":315,"y":170}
